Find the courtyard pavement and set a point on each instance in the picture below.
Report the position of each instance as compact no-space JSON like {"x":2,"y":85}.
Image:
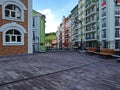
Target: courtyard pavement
{"x":59,"y":71}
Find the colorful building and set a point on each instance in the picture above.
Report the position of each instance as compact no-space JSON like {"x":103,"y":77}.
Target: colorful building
{"x":38,"y":28}
{"x":63,"y":34}
{"x":15,"y":27}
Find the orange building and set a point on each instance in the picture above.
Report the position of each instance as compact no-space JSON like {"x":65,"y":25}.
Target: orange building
{"x":65,"y":33}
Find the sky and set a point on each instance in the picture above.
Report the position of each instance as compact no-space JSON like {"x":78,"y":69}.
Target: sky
{"x":54,"y":11}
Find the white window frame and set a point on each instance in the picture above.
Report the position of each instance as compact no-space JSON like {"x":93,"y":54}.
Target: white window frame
{"x":14,"y":11}
{"x":13,"y":35}
{"x":17,"y":3}
{"x":11,"y":26}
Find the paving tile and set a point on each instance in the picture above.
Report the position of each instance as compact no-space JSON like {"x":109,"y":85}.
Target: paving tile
{"x":59,"y":71}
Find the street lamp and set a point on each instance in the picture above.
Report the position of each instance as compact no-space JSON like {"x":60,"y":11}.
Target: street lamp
{"x":77,"y":21}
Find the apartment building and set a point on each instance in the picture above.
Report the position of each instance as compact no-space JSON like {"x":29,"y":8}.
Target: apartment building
{"x":110,"y":24}
{"x":82,"y":23}
{"x":75,"y":29}
{"x":92,"y":22}
{"x":38,"y":28}
{"x":68,"y":32}
{"x":63,"y":34}
{"x":98,"y":23}
{"x":15,"y":27}
{"x":58,"y":37}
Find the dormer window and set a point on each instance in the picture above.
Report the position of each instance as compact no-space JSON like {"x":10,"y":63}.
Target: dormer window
{"x":12,"y":11}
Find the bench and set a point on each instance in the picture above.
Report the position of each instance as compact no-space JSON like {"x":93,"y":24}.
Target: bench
{"x":91,"y":50}
{"x":106,"y":51}
{"x":103,"y":51}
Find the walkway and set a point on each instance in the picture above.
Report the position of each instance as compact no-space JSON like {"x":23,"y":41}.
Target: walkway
{"x":59,"y":71}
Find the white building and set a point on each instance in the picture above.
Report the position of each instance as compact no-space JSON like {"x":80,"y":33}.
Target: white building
{"x":109,"y":14}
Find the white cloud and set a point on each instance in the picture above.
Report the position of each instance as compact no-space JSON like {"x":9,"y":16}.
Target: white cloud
{"x":51,"y":22}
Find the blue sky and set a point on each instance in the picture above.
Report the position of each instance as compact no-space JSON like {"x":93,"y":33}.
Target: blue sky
{"x":54,"y":11}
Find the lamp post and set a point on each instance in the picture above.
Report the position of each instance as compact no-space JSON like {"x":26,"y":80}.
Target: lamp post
{"x":77,"y":21}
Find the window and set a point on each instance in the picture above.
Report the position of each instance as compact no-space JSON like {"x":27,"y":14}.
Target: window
{"x":103,"y":11}
{"x":12,"y":11}
{"x":104,"y":33}
{"x":34,"y":22}
{"x":117,"y":21}
{"x":117,"y":32}
{"x":103,"y":23}
{"x":117,"y":44}
{"x":33,"y":35}
{"x":117,"y":10}
{"x":105,"y":44}
{"x":13,"y":36}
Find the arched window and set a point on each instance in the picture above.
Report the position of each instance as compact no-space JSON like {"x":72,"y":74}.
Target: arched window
{"x":13,"y":11}
{"x":13,"y":36}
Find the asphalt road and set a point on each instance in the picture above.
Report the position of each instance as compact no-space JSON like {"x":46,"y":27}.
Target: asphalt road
{"x":61,"y":70}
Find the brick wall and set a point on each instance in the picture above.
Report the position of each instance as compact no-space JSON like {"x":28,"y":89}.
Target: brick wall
{"x":22,"y":49}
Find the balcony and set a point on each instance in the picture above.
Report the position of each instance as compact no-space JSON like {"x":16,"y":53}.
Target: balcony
{"x":89,"y":14}
{"x":103,"y":25}
{"x":90,"y":39}
{"x":117,"y":13}
{"x":90,"y":4}
{"x":91,"y":30}
{"x":104,"y":14}
{"x":117,"y":35}
{"x":91,"y":22}
{"x":117,"y":23}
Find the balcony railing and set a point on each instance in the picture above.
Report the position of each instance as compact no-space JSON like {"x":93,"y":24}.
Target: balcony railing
{"x":117,"y":12}
{"x":91,"y":21}
{"x":90,"y":4}
{"x":117,"y":23}
{"x":90,"y":13}
{"x":103,"y":14}
{"x":90,"y":29}
{"x":90,"y":38}
{"x":117,"y":35}
{"x":103,"y":25}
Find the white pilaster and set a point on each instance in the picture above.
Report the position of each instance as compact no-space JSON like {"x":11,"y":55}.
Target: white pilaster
{"x":30,"y":35}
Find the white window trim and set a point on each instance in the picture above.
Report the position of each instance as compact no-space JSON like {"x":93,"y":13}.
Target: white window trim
{"x":10,"y":26}
{"x":18,"y":3}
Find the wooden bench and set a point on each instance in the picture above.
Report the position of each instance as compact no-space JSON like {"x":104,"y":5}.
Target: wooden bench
{"x":91,"y":50}
{"x":103,"y":51}
{"x":106,"y":51}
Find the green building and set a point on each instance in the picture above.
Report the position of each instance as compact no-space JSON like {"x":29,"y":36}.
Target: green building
{"x":38,"y":32}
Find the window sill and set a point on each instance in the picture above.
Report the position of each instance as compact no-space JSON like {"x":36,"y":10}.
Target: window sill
{"x":13,"y":19}
{"x":13,"y":44}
